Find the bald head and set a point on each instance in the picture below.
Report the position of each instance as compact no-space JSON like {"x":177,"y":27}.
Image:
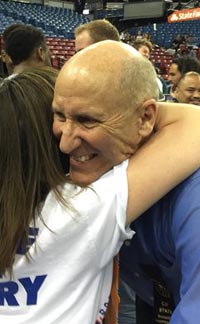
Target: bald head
{"x":114,"y":67}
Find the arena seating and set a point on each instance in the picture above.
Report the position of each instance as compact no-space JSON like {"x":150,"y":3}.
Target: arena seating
{"x":58,"y":25}
{"x":53,"y":21}
{"x":161,"y":60}
{"x":163,"y":34}
{"x":61,"y":50}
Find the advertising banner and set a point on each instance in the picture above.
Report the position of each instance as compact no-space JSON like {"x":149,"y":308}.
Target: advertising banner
{"x":183,"y":15}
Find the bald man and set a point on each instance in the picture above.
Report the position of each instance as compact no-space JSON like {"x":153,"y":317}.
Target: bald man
{"x":102,"y":114}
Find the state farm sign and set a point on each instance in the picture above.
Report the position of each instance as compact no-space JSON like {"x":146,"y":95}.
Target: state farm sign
{"x":183,"y":15}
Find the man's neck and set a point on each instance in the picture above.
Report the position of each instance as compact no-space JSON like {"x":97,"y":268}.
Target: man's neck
{"x":24,"y":65}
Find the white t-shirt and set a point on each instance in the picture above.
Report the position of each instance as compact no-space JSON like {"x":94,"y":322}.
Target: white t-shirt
{"x":67,"y":278}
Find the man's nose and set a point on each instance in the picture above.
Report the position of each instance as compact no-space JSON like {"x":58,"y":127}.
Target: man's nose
{"x":70,"y":138}
{"x":196,"y":94}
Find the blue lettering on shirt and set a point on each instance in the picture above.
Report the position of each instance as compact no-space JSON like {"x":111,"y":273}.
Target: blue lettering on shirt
{"x":32,"y":234}
{"x":9,"y":290}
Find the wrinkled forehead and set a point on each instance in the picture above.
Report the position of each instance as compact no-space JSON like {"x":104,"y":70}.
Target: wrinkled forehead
{"x":77,"y":81}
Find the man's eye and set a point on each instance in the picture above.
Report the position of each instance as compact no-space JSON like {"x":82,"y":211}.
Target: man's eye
{"x":87,"y":121}
{"x":58,"y":115}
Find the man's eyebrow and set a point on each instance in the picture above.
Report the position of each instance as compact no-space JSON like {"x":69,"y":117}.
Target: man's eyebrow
{"x":87,"y":116}
{"x":83,"y":114}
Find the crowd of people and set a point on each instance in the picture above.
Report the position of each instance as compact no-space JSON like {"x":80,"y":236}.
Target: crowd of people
{"x":99,"y":183}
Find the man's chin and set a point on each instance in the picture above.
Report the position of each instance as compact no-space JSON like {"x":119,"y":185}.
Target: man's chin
{"x":83,"y":180}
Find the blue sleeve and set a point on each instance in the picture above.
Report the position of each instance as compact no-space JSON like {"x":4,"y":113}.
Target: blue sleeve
{"x":186,"y":231}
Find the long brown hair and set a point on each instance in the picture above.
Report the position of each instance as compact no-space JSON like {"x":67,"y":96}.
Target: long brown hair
{"x":30,"y":165}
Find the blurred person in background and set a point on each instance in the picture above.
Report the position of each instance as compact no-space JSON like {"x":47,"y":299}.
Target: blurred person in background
{"x":188,"y":89}
{"x":94,"y":32}
{"x":5,"y":57}
{"x":180,"y":66}
{"x":26,"y":47}
{"x":144,"y":47}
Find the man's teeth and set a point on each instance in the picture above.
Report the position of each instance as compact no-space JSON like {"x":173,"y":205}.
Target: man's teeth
{"x":83,"y":158}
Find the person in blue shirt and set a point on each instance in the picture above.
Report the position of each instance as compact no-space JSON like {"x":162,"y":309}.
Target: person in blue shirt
{"x":162,"y":261}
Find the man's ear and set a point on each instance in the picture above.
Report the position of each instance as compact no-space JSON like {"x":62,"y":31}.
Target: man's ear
{"x":41,"y":53}
{"x":148,"y":114}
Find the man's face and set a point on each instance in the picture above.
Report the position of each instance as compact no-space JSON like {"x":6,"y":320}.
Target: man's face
{"x":144,"y":50}
{"x":174,"y":74}
{"x":95,"y":132}
{"x":188,"y":90}
{"x":83,"y":40}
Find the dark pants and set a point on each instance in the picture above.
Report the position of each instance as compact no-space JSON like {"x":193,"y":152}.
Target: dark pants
{"x":127,"y":309}
{"x":144,"y":312}
{"x":133,"y":310}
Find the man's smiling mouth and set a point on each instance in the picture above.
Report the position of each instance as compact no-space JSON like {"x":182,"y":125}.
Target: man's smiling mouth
{"x":83,"y":158}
